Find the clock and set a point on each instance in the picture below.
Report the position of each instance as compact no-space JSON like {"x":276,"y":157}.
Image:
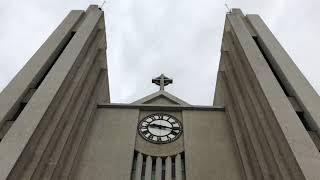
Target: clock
{"x":160,"y":128}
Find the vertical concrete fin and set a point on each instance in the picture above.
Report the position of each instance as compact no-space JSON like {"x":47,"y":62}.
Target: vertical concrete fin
{"x":26,"y":132}
{"x":148,"y":170}
{"x":168,"y":174}
{"x":158,"y":173}
{"x":31,"y":75}
{"x":277,"y":113}
{"x":290,"y":75}
{"x":70,"y":156}
{"x":219,"y":89}
{"x":178,"y":167}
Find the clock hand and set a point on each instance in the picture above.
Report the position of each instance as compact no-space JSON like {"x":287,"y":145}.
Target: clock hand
{"x":156,"y":126}
{"x":160,"y":126}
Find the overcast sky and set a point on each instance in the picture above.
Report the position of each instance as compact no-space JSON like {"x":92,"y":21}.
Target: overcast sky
{"x":180,"y":38}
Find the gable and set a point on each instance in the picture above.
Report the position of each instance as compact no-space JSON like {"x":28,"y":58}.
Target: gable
{"x":163,"y":98}
{"x":160,"y":100}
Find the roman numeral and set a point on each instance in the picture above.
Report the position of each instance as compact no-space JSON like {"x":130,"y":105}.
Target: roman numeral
{"x":150,"y":137}
{"x":144,"y":132}
{"x":153,"y":118}
{"x":176,"y":128}
{"x":174,"y":133}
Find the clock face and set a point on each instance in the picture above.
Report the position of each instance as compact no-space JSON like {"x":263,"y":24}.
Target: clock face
{"x":160,"y":128}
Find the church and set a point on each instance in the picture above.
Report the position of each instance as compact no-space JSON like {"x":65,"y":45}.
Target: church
{"x":57,"y":121}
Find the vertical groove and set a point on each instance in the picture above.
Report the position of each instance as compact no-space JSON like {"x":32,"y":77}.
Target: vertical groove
{"x":73,"y":122}
{"x":252,"y":107}
{"x":47,"y":70}
{"x":75,"y":150}
{"x":248,"y":159}
{"x":248,"y":124}
{"x":253,"y":101}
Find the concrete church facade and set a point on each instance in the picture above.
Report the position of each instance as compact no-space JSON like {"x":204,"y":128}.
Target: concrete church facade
{"x":57,"y":122}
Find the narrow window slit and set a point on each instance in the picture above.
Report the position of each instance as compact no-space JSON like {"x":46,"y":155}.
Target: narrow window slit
{"x":255,"y":38}
{"x":38,"y":83}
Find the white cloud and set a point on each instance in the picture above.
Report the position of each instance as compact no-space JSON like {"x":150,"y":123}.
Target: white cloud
{"x":181,"y":38}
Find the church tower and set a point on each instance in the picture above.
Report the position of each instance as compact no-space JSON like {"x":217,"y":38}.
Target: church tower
{"x":57,"y":122}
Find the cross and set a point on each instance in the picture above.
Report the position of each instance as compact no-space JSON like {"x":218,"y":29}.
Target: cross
{"x":102,"y":4}
{"x":162,"y":81}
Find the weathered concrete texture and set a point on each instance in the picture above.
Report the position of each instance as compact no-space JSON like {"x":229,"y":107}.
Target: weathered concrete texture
{"x":30,"y":75}
{"x":210,"y":152}
{"x":219,"y":89}
{"x":271,"y":140}
{"x":108,"y":152}
{"x":55,"y":118}
{"x":295,"y":82}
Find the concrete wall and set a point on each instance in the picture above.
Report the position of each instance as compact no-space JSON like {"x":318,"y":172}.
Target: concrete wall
{"x":109,"y":148}
{"x":210,"y":152}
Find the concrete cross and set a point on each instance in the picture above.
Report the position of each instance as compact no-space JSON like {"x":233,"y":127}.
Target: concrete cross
{"x":162,"y":81}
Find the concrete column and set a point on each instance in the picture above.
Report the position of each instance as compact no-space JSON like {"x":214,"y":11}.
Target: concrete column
{"x":138,"y":167}
{"x":158,"y":168}
{"x":178,"y":168}
{"x":168,"y":169}
{"x":148,"y":171}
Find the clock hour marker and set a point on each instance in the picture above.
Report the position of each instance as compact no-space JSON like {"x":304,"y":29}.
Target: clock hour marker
{"x":175,"y":128}
{"x":175,"y":132}
{"x":150,"y":137}
{"x":171,"y":136}
{"x":175,"y":124}
{"x":164,"y":138}
{"x":160,"y":128}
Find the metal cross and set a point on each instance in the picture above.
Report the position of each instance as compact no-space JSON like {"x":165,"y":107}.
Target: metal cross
{"x":162,"y":81}
{"x":102,"y":4}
